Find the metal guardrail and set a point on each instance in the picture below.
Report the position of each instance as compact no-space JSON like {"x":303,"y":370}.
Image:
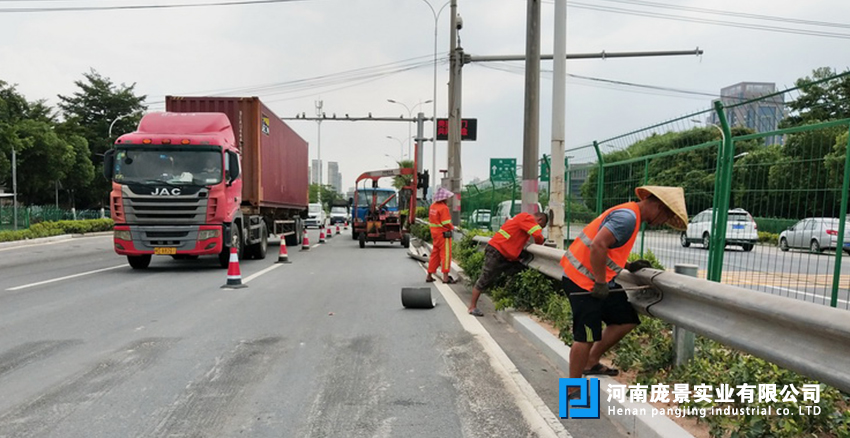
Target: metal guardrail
{"x":807,"y":338}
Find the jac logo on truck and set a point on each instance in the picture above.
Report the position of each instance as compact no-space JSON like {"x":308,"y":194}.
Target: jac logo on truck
{"x":165,"y":191}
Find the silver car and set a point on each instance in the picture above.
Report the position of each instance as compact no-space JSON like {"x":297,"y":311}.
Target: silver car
{"x":815,"y":233}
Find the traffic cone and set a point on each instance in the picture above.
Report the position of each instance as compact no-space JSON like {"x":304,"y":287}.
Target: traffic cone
{"x":330,"y":233}
{"x":321,"y":235}
{"x":305,"y":242}
{"x":234,"y":276}
{"x":345,"y":225}
{"x":283,"y":256}
{"x":337,"y":228}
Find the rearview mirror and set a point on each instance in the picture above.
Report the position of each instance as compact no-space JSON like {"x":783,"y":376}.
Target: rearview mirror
{"x":109,"y":164}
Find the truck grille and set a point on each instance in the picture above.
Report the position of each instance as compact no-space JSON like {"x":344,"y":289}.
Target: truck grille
{"x":165,"y":210}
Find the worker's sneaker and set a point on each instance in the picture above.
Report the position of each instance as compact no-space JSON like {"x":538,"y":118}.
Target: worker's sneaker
{"x":476,"y":312}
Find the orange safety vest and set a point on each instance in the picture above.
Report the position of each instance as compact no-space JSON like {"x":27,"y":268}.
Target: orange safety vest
{"x":511,"y":238}
{"x":439,"y":219}
{"x":576,"y":260}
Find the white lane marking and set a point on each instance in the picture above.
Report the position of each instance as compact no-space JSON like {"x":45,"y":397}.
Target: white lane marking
{"x":263,"y":272}
{"x":808,"y":294}
{"x":539,"y":417}
{"x":65,"y":278}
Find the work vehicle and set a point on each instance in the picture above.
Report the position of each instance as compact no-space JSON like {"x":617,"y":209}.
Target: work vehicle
{"x":315,"y":216}
{"x":339,"y":212}
{"x":208,"y":175}
{"x":376,"y":216}
{"x":816,"y":234}
{"x":741,"y":229}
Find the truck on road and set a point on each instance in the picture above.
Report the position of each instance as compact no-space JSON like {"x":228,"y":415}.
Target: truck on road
{"x":207,"y":175}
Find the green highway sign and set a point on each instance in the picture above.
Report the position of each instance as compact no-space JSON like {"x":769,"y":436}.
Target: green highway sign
{"x":502,"y":169}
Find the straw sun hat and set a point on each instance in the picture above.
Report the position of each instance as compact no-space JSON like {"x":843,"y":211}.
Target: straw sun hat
{"x":673,"y":198}
{"x":442,"y":194}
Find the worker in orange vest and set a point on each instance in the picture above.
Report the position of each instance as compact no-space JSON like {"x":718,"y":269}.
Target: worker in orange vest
{"x":592,"y":262}
{"x":440,"y":222}
{"x":503,"y":251}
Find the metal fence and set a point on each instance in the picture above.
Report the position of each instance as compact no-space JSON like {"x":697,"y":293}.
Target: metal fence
{"x":780,"y":195}
{"x":39,"y":213}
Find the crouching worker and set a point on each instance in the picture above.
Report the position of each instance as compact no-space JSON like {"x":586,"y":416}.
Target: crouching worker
{"x":501,"y":256}
{"x":440,"y":222}
{"x":595,"y":258}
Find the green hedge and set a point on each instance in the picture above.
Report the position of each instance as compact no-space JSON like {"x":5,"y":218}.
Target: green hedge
{"x":648,"y":351}
{"x":47,"y":229}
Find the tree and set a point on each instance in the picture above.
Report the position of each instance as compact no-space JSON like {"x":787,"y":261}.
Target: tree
{"x":823,"y":96}
{"x":45,"y":155}
{"x":328,"y":195}
{"x":89,"y":112}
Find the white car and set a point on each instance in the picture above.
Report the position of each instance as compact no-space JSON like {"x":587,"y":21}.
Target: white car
{"x":480,"y":219}
{"x":315,"y":216}
{"x":816,"y":234}
{"x":741,"y":230}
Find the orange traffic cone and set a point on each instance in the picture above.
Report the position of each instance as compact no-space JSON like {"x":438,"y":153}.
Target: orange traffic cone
{"x":330,"y":233}
{"x":337,"y":228}
{"x":283,"y":256}
{"x":321,"y":235}
{"x":305,"y":242}
{"x":234,"y":276}
{"x":345,"y":225}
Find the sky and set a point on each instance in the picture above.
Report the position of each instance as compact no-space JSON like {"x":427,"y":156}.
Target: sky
{"x":354,"y":55}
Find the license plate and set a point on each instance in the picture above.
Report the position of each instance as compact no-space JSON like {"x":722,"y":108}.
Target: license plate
{"x":737,"y":227}
{"x":165,"y":251}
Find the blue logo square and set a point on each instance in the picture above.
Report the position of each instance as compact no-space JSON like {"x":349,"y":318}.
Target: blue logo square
{"x":586,"y":406}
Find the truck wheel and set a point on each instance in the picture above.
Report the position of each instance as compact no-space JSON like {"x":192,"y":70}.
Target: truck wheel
{"x":139,"y":262}
{"x":235,"y":240}
{"x":362,"y":240}
{"x":258,"y":250}
{"x":405,"y":241}
{"x":295,"y":239}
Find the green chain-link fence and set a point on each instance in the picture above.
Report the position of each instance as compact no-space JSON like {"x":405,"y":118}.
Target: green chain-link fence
{"x":780,"y":195}
{"x":37,"y":213}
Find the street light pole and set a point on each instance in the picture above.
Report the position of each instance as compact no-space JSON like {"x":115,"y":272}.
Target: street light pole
{"x":410,"y":116}
{"x":400,"y":149}
{"x":14,"y":189}
{"x":434,"y":114}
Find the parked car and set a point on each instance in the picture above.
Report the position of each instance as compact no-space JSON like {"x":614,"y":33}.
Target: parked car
{"x":315,"y":216}
{"x":504,"y":211}
{"x":480,"y":219}
{"x":741,"y":229}
{"x":815,"y":233}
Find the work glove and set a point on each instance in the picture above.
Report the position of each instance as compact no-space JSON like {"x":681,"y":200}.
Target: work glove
{"x":600,"y":291}
{"x":637,"y":265}
{"x":447,"y":234}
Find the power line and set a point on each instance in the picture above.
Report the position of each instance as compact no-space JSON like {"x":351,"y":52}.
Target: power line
{"x":139,"y":7}
{"x":740,"y":25}
{"x":732,"y":14}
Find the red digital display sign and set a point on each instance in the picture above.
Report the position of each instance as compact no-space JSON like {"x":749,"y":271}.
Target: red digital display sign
{"x":468,"y":129}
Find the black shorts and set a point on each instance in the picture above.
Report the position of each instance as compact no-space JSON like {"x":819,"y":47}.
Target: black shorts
{"x":495,"y":264}
{"x":589,"y":313}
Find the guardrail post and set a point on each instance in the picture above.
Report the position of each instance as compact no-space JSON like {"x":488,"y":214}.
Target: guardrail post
{"x":600,"y":179}
{"x":683,"y":340}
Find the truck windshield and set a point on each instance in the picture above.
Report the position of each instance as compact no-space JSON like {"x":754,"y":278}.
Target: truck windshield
{"x":364,"y":199}
{"x":171,"y":166}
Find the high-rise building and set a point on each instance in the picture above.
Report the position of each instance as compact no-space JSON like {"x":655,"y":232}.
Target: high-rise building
{"x":333,"y":173}
{"x":338,"y":183}
{"x":761,"y":115}
{"x":314,"y":174}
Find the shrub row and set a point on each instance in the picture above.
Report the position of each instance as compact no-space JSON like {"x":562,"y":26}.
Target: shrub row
{"x":47,"y":229}
{"x":648,"y":350}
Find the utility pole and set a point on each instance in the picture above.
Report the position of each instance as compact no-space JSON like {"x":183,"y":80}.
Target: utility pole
{"x":531,"y":127}
{"x":556,"y":169}
{"x":14,"y":189}
{"x":456,"y":66}
{"x":319,"y":104}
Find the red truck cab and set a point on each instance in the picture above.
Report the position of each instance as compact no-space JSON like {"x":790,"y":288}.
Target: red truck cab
{"x":176,"y":187}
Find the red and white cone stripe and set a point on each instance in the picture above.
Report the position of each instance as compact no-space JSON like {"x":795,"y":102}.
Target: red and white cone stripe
{"x":283,"y":256}
{"x":234,"y":275}
{"x":321,"y":235}
{"x":305,"y":242}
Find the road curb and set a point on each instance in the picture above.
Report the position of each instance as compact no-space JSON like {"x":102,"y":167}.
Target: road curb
{"x":638,"y":426}
{"x":51,"y":239}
